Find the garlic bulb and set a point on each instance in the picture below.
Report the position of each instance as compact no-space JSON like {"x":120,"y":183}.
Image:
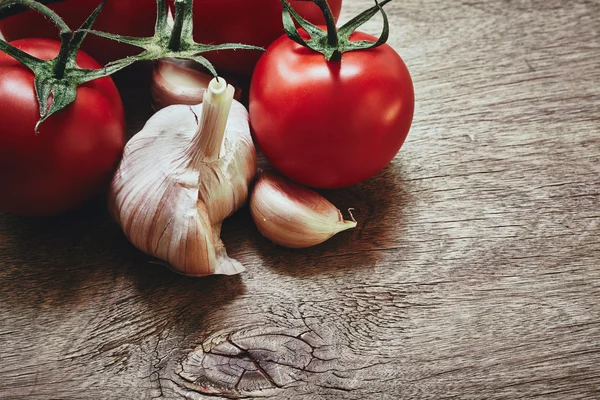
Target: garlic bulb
{"x":179,"y":82}
{"x":181,"y":176}
{"x":293,"y":216}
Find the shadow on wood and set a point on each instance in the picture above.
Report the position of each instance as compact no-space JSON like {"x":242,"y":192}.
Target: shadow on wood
{"x":373,"y":202}
{"x":62,"y":259}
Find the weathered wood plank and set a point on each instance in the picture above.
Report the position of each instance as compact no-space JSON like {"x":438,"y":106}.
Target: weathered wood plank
{"x":474,"y":273}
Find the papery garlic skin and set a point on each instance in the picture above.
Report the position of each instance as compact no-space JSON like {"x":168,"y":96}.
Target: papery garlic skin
{"x":293,"y":216}
{"x":169,"y":200}
{"x":179,"y":82}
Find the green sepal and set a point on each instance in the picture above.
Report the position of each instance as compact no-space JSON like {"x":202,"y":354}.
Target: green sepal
{"x":349,"y":27}
{"x":161,"y":16}
{"x":131,"y":40}
{"x":53,"y":96}
{"x":290,"y":26}
{"x":79,"y":36}
{"x":27,"y":60}
{"x":56,"y":81}
{"x":175,"y":41}
{"x":333,"y":42}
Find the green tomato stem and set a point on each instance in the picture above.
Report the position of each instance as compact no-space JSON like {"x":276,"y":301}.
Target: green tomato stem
{"x":66,"y":34}
{"x":332,"y":33}
{"x":56,"y":80}
{"x":334,"y":42}
{"x":63,"y":55}
{"x":175,"y":41}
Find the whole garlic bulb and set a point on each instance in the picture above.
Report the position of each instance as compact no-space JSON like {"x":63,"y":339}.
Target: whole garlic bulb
{"x":181,"y":176}
{"x":293,"y":216}
{"x":179,"y":82}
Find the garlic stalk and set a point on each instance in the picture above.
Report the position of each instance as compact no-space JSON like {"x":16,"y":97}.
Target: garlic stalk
{"x":179,"y":82}
{"x":293,"y":216}
{"x":181,"y":176}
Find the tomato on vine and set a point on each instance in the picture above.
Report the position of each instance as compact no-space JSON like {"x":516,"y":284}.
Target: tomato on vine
{"x":63,"y":123}
{"x":331,"y":107}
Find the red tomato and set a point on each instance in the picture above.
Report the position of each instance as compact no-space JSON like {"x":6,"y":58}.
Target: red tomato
{"x":125,"y":17}
{"x":255,"y":22}
{"x":76,"y":150}
{"x":330,"y":124}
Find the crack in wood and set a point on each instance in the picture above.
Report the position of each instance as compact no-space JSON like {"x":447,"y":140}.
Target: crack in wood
{"x":256,"y":363}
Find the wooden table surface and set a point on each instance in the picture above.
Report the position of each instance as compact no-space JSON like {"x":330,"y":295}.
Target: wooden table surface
{"x":474,"y":273}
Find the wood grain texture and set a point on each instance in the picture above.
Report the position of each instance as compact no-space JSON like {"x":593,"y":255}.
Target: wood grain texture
{"x":474,"y":273}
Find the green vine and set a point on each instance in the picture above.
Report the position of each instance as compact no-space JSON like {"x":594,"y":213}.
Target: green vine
{"x":176,"y":41}
{"x":56,"y":81}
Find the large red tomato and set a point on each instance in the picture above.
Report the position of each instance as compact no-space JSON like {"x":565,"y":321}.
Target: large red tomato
{"x":76,"y":150}
{"x":125,"y":17}
{"x":255,"y":22}
{"x":330,"y":124}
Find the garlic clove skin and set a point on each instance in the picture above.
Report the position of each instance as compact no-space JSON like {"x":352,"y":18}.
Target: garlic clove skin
{"x":187,"y":170}
{"x":293,"y":216}
{"x":179,"y":82}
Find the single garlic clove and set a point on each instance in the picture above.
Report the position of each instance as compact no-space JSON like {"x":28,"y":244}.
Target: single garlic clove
{"x":187,"y":170}
{"x":293,"y":216}
{"x":179,"y":82}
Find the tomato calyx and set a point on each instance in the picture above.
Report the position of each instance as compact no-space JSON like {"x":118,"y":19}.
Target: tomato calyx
{"x":173,"y":40}
{"x":334,"y":42}
{"x":56,"y":80}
